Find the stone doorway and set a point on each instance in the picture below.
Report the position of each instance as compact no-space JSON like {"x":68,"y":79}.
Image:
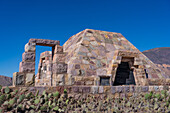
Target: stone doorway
{"x":124,"y":73}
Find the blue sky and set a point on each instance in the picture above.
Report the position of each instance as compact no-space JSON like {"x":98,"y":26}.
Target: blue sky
{"x":145,"y":23}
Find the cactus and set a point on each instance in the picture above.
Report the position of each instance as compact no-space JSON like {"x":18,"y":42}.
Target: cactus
{"x":43,"y":108}
{"x":28,"y":95}
{"x":67,"y":101}
{"x":32,"y":106}
{"x":21,"y":98}
{"x":56,"y":94}
{"x":158,"y":96}
{"x":11,"y":102}
{"x":37,"y":101}
{"x":37,"y":93}
{"x":16,"y":91}
{"x":2,"y":97}
{"x":49,"y":103}
{"x":49,"y":95}
{"x":8,"y":96}
{"x":0,"y":87}
{"x":56,"y":108}
{"x":44,"y":93}
{"x":7,"y":90}
{"x":65,"y":91}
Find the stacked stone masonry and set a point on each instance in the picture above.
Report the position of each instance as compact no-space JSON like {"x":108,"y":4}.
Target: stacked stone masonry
{"x":89,"y":58}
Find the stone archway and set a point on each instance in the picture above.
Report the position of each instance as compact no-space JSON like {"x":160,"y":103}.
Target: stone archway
{"x":135,"y":68}
{"x":124,"y":73}
{"x":27,"y":66}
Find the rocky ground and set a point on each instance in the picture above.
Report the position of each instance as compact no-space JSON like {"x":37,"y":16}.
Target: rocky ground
{"x":19,"y":101}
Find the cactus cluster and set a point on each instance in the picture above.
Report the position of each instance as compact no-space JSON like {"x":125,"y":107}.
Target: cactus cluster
{"x":24,"y":101}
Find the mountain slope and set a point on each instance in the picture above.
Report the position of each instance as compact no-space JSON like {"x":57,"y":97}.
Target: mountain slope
{"x":161,"y":57}
{"x":5,"y":81}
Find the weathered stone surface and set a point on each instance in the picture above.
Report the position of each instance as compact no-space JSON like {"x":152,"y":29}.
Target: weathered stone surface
{"x":30,"y":47}
{"x":113,"y":89}
{"x":28,"y":56}
{"x":156,"y":88}
{"x":27,"y":66}
{"x":94,"y":89}
{"x":101,"y":89}
{"x":144,"y":88}
{"x":18,"y":79}
{"x":59,"y":79}
{"x":29,"y":79}
{"x":127,"y":89}
{"x":58,"y":49}
{"x":58,"y":58}
{"x":119,"y":89}
{"x":59,"y":68}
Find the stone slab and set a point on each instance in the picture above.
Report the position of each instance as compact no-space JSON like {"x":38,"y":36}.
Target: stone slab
{"x":28,"y":56}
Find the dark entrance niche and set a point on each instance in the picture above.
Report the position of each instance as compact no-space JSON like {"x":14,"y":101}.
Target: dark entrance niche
{"x":105,"y":81}
{"x":124,"y":76}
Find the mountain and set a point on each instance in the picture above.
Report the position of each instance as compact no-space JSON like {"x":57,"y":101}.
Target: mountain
{"x":5,"y":81}
{"x":161,"y":57}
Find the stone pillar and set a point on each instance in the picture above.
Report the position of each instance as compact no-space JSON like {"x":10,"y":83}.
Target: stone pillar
{"x":59,"y":68}
{"x":27,"y":66}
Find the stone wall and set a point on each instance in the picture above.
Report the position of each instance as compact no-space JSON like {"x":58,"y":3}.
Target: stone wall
{"x":97,"y":89}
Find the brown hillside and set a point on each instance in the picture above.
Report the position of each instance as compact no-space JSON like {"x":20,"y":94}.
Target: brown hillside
{"x":5,"y":81}
{"x":161,"y":57}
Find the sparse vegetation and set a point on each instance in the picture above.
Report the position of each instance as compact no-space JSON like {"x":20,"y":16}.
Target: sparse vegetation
{"x":25,"y":101}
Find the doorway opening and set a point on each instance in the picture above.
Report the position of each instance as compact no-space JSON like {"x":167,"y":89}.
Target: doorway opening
{"x":124,"y":74}
{"x":43,"y":65}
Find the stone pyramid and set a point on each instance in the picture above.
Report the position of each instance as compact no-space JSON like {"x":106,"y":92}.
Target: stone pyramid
{"x":95,"y":53}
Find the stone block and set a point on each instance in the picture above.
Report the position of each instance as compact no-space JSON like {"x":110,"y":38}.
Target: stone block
{"x":127,"y":89}
{"x":132,"y":89}
{"x":59,"y":58}
{"x":29,"y":81}
{"x":119,"y":89}
{"x":144,"y":88}
{"x":75,"y":89}
{"x":113,"y":89}
{"x":101,"y":89}
{"x":107,"y":89}
{"x":156,"y":88}
{"x":59,"y":68}
{"x":161,"y":88}
{"x":166,"y":88}
{"x":18,"y":79}
{"x":94,"y":89}
{"x":30,"y":47}
{"x":27,"y":66}
{"x":138,"y":89}
{"x":28,"y":56}
{"x":58,"y":49}
{"x":89,"y":83}
{"x":85,"y":89}
{"x":151,"y":88}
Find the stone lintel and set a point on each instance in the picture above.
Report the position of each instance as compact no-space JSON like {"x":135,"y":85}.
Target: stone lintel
{"x":45,"y":42}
